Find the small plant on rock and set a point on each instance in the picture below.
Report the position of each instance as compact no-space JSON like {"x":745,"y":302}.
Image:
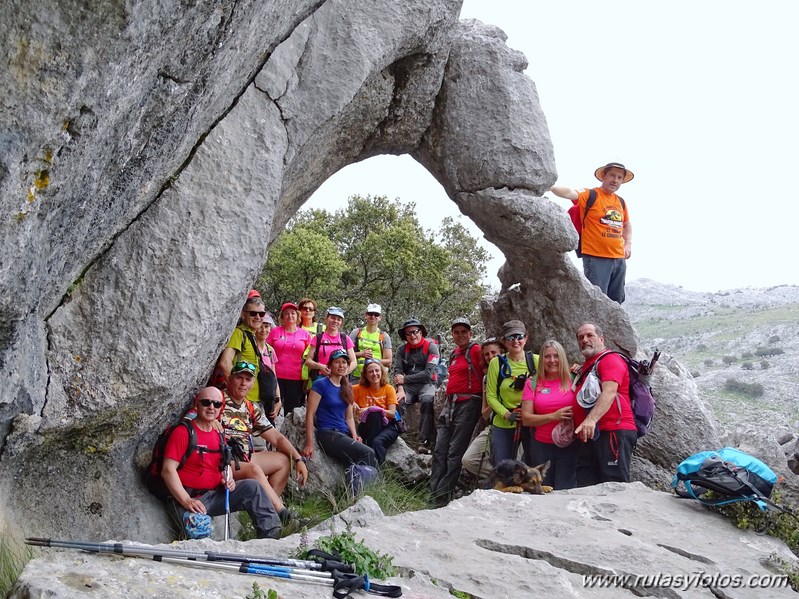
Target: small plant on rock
{"x":365,"y":561}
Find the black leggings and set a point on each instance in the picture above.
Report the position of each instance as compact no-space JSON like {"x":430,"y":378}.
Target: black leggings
{"x":345,"y":449}
{"x":292,"y":393}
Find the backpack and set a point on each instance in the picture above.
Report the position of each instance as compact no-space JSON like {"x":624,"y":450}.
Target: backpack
{"x":152,"y":475}
{"x":468,"y":354}
{"x":574,"y":215}
{"x":314,"y":374}
{"x":359,"y":476}
{"x":641,"y":400}
{"x":505,"y":371}
{"x":729,"y":472}
{"x":267,"y":381}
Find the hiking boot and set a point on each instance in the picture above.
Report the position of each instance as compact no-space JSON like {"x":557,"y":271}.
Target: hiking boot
{"x":286,"y":515}
{"x":424,"y":447}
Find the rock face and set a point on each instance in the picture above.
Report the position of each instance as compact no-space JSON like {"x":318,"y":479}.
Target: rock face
{"x":489,"y":544}
{"x":150,"y":152}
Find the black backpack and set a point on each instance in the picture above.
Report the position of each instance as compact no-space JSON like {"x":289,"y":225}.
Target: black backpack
{"x":152,"y":475}
{"x":313,"y":373}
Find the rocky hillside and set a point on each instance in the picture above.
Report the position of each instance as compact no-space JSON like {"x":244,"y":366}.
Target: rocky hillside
{"x":741,"y":346}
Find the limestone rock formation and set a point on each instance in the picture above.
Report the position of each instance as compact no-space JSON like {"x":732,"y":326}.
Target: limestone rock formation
{"x":151,"y":151}
{"x":489,"y":544}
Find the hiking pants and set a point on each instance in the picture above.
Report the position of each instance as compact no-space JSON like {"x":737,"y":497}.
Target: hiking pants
{"x":425,"y":396}
{"x":503,"y":444}
{"x":292,"y":393}
{"x":377,"y":436}
{"x":477,"y":459}
{"x":248,"y":496}
{"x":562,"y":473}
{"x":606,"y":459}
{"x":608,"y":274}
{"x":455,"y":427}
{"x":345,"y":449}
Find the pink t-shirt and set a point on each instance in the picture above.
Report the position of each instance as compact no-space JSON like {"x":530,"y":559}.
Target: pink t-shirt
{"x":548,"y":398}
{"x":328,"y":345}
{"x":289,"y":348}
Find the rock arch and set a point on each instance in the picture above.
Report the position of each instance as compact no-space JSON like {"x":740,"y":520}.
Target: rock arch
{"x":155,"y":172}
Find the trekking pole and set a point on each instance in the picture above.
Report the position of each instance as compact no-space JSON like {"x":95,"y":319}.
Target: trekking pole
{"x":342,"y":582}
{"x":227,"y":502}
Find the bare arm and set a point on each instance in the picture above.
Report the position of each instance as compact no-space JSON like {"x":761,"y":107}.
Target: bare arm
{"x":313,"y":404}
{"x":226,"y":360}
{"x":627,"y":234}
{"x":169,"y":473}
{"x":566,"y":193}
{"x":348,"y":416}
{"x":388,"y":357}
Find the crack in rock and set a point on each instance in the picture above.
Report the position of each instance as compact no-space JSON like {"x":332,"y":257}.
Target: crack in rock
{"x":574,"y":567}
{"x":689,"y":555}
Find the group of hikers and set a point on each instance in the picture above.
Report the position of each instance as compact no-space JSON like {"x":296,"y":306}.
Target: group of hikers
{"x":354,"y":409}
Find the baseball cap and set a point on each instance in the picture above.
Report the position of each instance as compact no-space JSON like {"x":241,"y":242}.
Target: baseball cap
{"x":335,"y":311}
{"x":339,"y":353}
{"x":513,"y":327}
{"x":461,"y":320}
{"x":374,"y":308}
{"x":243,"y":367}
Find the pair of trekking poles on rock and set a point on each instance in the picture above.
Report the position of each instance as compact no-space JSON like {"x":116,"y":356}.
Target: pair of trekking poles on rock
{"x":328,"y":570}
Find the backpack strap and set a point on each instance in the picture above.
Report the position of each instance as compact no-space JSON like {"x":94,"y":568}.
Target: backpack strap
{"x":357,"y":339}
{"x":316,"y":347}
{"x":588,"y":204}
{"x":192,"y":446}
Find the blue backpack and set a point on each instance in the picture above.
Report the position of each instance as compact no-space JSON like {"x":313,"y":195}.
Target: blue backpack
{"x":359,"y":476}
{"x":731,"y":473}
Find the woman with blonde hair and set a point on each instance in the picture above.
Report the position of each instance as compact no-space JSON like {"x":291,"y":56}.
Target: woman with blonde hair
{"x":549,"y":405}
{"x":376,"y":408}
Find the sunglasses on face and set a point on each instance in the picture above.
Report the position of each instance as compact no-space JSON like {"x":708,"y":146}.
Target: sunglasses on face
{"x":210,"y":402}
{"x":255,"y":313}
{"x":515,"y":337}
{"x":308,"y":309}
{"x":239,"y":366}
{"x":414,"y":332}
{"x":375,"y":314}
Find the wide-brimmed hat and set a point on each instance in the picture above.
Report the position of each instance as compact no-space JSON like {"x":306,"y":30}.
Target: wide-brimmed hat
{"x":411,"y":322}
{"x":600,"y":172}
{"x":461,"y":321}
{"x":513,"y":327}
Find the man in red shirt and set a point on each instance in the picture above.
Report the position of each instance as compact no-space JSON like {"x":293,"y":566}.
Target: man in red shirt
{"x":607,"y":233}
{"x":461,"y":411}
{"x":608,"y":430}
{"x":199,"y":486}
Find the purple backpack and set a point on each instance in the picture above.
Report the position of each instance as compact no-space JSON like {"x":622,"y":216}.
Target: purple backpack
{"x":641,"y":399}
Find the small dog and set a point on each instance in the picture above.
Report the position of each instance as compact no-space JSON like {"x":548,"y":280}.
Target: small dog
{"x":514,"y":476}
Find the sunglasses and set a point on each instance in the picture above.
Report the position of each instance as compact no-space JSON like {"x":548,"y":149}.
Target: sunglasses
{"x":308,"y":309}
{"x":490,"y":340}
{"x":371,"y":361}
{"x":210,"y":402}
{"x":514,"y":337}
{"x":255,"y":313}
{"x":239,"y":366}
{"x":373,"y":314}
{"x":414,"y":332}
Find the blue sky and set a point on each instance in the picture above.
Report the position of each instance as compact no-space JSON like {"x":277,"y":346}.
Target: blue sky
{"x":696,"y":98}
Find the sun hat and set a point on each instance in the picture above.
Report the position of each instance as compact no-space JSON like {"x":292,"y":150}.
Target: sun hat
{"x":335,"y":311}
{"x":339,"y":353}
{"x":600,"y":172}
{"x":461,"y":320}
{"x":411,"y":322}
{"x":374,"y":308}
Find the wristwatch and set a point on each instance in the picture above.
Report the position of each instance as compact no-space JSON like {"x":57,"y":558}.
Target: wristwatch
{"x":302,"y":458}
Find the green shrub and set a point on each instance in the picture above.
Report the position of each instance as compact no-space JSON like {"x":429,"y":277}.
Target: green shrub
{"x":708,"y":362}
{"x":701,"y":347}
{"x":764,"y":352}
{"x":764,"y":365}
{"x":366,"y":561}
{"x":747,"y":366}
{"x":747,"y":355}
{"x":774,"y":339}
{"x":752,"y":390}
{"x":729,"y":360}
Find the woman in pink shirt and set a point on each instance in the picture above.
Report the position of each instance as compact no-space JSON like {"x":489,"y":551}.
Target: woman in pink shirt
{"x":549,"y":402}
{"x":289,"y":341}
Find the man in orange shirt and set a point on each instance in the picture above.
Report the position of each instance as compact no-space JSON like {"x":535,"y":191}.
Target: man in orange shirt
{"x":607,"y":235}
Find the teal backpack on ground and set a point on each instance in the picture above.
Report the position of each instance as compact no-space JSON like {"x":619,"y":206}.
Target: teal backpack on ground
{"x":728,"y":472}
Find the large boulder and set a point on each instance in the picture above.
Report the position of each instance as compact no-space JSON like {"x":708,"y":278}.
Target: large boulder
{"x":150,"y":153}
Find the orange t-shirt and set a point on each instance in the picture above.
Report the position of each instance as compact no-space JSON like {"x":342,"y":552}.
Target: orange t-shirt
{"x":366,"y":396}
{"x":602,"y":230}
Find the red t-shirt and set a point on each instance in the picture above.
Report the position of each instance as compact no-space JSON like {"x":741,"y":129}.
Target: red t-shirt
{"x":201,"y":470}
{"x":460,"y":373}
{"x":614,"y":368}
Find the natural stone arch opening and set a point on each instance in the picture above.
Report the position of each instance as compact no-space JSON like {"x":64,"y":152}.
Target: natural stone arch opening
{"x":147,"y":310}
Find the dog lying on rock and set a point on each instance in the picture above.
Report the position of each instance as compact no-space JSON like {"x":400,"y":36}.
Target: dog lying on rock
{"x":514,"y":476}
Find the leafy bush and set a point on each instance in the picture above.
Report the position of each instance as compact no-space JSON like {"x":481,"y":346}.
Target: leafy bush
{"x":366,"y":561}
{"x":747,"y":355}
{"x":764,"y":352}
{"x":708,"y":362}
{"x":774,"y":339}
{"x":701,"y":347}
{"x":747,"y":366}
{"x":729,"y":360}
{"x":748,"y":389}
{"x":764,"y":365}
